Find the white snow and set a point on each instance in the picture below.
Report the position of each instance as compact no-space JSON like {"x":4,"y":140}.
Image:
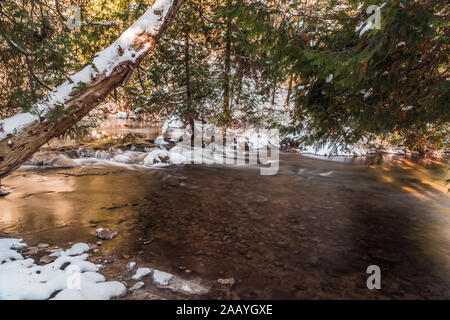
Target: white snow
{"x":104,"y":63}
{"x":161,"y":278}
{"x":77,"y":249}
{"x":155,"y":158}
{"x":367,"y":93}
{"x":367,"y":27}
{"x":258,"y":141}
{"x":326,"y":174}
{"x":92,"y":290}
{"x":137,"y":286}
{"x":176,"y":155}
{"x":122,"y":115}
{"x":173,"y":122}
{"x":6,"y":254}
{"x":23,"y":279}
{"x":332,"y":150}
{"x":176,"y":284}
{"x":160,"y":141}
{"x":140,"y":273}
{"x":15,"y":124}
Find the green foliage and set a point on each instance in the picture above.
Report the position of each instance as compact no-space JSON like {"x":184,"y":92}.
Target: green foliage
{"x":390,"y":80}
{"x":38,"y":50}
{"x":222,"y":60}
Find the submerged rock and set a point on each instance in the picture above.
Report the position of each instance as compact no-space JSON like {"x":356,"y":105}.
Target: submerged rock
{"x":63,"y":162}
{"x":221,"y":290}
{"x":47,"y":259}
{"x":106,"y":234}
{"x":228,"y":282}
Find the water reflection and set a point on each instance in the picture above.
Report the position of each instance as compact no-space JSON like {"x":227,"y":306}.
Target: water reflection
{"x":115,"y":132}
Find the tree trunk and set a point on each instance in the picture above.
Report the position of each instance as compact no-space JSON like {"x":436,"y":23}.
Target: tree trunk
{"x":288,"y":98}
{"x":240,"y":79}
{"x":226,"y":85}
{"x":16,"y":149}
{"x":187,"y":68}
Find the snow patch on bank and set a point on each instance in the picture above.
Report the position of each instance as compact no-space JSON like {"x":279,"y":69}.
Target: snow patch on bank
{"x":333,"y":150}
{"x":23,"y":279}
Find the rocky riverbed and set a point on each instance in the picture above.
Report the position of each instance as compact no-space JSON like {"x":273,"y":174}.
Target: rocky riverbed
{"x":309,"y":232}
{"x":216,"y":232}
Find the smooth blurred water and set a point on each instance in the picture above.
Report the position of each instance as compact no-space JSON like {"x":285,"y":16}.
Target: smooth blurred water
{"x":309,"y":232}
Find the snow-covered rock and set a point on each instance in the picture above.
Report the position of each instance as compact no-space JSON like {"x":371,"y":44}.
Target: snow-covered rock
{"x":176,"y":155}
{"x":161,"y":278}
{"x":173,"y":128}
{"x":137,"y":286}
{"x":157,"y":158}
{"x":131,"y":265}
{"x":77,"y":249}
{"x":23,"y":279}
{"x":122,"y":115}
{"x":140,"y":273}
{"x":160,"y":141}
{"x":178,"y":285}
{"x":173,"y":122}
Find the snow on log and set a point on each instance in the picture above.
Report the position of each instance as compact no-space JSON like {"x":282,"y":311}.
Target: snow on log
{"x":23,"y":134}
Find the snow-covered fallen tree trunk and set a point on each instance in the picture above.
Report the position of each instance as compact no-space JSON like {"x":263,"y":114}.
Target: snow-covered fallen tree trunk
{"x":23,"y":134}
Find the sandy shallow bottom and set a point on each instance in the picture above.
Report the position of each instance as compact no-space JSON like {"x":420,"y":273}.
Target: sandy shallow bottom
{"x":308,"y":233}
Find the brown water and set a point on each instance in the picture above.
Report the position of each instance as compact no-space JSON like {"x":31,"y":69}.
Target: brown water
{"x":309,"y":232}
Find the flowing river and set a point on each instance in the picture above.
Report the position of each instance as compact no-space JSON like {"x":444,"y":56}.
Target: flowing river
{"x":309,"y":232}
